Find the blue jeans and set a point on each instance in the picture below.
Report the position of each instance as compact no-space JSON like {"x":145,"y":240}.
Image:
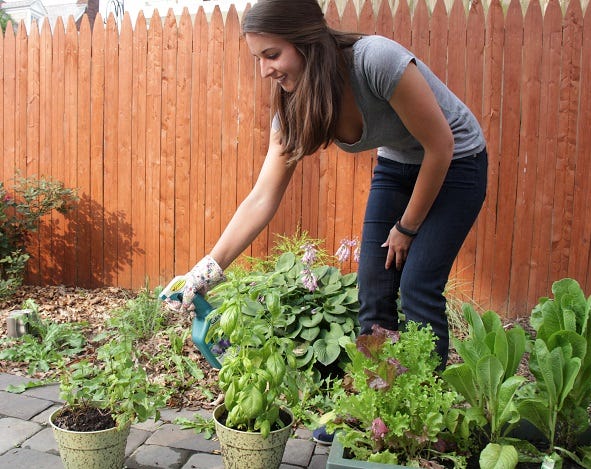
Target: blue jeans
{"x":431,"y":255}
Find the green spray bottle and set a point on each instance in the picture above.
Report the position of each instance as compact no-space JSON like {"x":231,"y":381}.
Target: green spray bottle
{"x":204,"y":318}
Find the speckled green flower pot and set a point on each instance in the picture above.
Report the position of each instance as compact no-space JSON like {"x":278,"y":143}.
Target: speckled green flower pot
{"x":246,"y":450}
{"x":104,"y":449}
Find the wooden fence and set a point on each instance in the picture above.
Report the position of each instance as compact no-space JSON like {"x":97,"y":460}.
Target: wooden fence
{"x":163,"y":130}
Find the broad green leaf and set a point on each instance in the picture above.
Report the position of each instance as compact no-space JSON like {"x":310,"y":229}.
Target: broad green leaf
{"x":462,"y":379}
{"x":501,"y":348}
{"x":276,"y":367}
{"x":250,"y":402}
{"x":311,"y":321}
{"x":331,"y":288}
{"x":496,"y":456}
{"x":331,"y":318}
{"x":310,"y":333}
{"x":285,"y":262}
{"x":491,"y":321}
{"x":304,"y":359}
{"x":335,"y":332}
{"x":536,"y":411}
{"x":545,"y":364}
{"x":489,"y":375}
{"x":571,"y":339}
{"x":506,"y":409}
{"x":516,"y":341}
{"x":478,"y":330}
{"x":327,"y":351}
{"x":349,"y":279}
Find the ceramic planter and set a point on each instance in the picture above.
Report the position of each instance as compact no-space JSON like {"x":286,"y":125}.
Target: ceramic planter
{"x":249,"y":450}
{"x":337,"y":460}
{"x":104,"y":449}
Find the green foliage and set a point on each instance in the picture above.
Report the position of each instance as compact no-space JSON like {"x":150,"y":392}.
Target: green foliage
{"x":486,"y":379}
{"x":396,"y":411}
{"x":48,"y":344}
{"x":198,"y":424}
{"x":143,"y":318}
{"x":20,"y":213}
{"x":181,"y":371}
{"x":319,"y":315}
{"x":4,"y":19}
{"x":115,"y":382}
{"x":560,"y":360}
{"x":258,"y":370}
{"x":140,"y":318}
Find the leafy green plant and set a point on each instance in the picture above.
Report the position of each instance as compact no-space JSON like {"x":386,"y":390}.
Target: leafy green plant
{"x":20,"y":212}
{"x":258,"y":369}
{"x":181,"y":371}
{"x":140,"y":318}
{"x":318,"y":302}
{"x":48,"y":344}
{"x":199,"y":424}
{"x":4,"y":19}
{"x":396,"y":411}
{"x":115,"y":382}
{"x":557,"y":401}
{"x":487,"y":380}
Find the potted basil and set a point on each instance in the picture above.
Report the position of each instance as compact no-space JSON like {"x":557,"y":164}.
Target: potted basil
{"x":102,"y":400}
{"x":258,"y":379}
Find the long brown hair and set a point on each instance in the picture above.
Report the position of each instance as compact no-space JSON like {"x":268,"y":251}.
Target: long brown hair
{"x":307,"y":116}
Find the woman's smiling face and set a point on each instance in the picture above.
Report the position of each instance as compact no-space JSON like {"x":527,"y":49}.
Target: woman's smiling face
{"x":278,"y":59}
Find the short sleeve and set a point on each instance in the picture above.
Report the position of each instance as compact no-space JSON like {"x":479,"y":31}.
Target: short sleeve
{"x":383,"y":63}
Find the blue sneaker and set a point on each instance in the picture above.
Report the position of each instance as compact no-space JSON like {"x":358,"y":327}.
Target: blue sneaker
{"x":322,"y":437}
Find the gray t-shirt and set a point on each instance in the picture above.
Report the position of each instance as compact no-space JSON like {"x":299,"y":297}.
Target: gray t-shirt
{"x":377,"y":65}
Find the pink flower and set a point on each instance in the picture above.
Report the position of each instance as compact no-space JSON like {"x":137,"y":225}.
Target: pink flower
{"x":309,"y":254}
{"x":344,"y":251}
{"x":309,"y":279}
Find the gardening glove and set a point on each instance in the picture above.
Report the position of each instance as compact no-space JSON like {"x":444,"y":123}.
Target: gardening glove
{"x":205,"y":275}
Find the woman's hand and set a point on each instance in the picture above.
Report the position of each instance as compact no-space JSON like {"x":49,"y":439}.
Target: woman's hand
{"x":398,"y":245}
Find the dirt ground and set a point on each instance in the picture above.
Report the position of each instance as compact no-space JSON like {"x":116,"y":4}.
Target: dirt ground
{"x":69,"y":304}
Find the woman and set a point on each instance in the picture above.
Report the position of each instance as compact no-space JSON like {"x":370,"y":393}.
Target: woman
{"x":364,"y":92}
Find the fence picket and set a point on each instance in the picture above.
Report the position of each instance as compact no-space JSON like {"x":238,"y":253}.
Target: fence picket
{"x":140,"y":203}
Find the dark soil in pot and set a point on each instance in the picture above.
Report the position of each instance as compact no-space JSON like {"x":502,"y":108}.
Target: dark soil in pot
{"x":283,"y":416}
{"x":84,"y":419}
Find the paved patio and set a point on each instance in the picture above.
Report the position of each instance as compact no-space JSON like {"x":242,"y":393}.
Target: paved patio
{"x":27,"y":442}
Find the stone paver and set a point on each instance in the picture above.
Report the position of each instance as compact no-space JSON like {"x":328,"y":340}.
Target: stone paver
{"x":171,"y":435}
{"x":298,"y":452}
{"x":153,"y":456}
{"x":21,"y":406}
{"x":8,"y":379}
{"x":21,"y":458}
{"x":50,"y":392}
{"x":204,"y":461}
{"x":14,"y":431}
{"x":137,"y":437}
{"x":43,"y":441}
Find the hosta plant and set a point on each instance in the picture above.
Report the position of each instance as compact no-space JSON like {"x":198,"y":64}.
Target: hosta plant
{"x":319,"y":304}
{"x":396,"y":409}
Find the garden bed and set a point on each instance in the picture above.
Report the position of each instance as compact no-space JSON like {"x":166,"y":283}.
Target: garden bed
{"x":92,"y":308}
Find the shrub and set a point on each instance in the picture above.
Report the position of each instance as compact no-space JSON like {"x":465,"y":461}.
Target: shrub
{"x":20,"y":212}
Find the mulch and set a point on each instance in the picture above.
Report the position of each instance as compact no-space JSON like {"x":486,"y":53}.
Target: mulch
{"x":92,"y":307}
